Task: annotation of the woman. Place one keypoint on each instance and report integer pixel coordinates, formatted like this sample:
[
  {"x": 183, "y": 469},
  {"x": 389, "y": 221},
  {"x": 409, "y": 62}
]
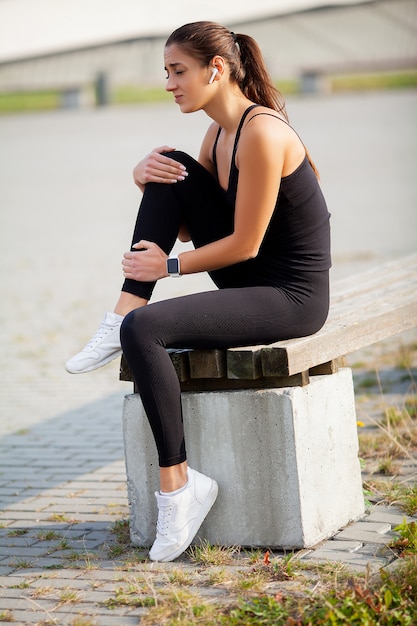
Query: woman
[{"x": 253, "y": 208}]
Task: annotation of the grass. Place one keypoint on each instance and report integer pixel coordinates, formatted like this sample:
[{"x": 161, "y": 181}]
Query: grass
[
  {"x": 20, "y": 102},
  {"x": 388, "y": 598},
  {"x": 207, "y": 554},
  {"x": 44, "y": 100},
  {"x": 402, "y": 495}
]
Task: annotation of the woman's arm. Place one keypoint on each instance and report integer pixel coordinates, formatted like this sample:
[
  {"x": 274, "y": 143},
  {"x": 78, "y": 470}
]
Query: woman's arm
[
  {"x": 262, "y": 151},
  {"x": 266, "y": 148}
]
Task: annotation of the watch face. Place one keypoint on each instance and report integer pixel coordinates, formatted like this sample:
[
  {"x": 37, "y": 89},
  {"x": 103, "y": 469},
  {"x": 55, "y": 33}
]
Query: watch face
[{"x": 173, "y": 266}]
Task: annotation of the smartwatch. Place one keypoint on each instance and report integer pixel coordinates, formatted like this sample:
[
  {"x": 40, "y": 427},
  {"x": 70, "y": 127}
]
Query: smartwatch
[{"x": 173, "y": 266}]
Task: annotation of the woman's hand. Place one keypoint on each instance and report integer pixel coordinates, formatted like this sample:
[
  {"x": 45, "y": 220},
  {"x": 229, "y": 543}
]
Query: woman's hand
[
  {"x": 149, "y": 263},
  {"x": 158, "y": 168}
]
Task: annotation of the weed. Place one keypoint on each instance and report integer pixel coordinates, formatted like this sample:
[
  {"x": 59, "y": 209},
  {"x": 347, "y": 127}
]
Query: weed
[
  {"x": 64, "y": 544},
  {"x": 332, "y": 574},
  {"x": 216, "y": 576},
  {"x": 410, "y": 406},
  {"x": 179, "y": 577},
  {"x": 68, "y": 596},
  {"x": 62, "y": 517},
  {"x": 6, "y": 616},
  {"x": 83, "y": 621},
  {"x": 406, "y": 543},
  {"x": 23, "y": 585},
  {"x": 121, "y": 530},
  {"x": 284, "y": 568},
  {"x": 20, "y": 563},
  {"x": 208, "y": 554},
  {"x": 254, "y": 581},
  {"x": 405, "y": 496},
  {"x": 262, "y": 610},
  {"x": 180, "y": 607},
  {"x": 129, "y": 597},
  {"x": 48, "y": 535},
  {"x": 388, "y": 467},
  {"x": 255, "y": 555},
  {"x": 80, "y": 559},
  {"x": 393, "y": 417},
  {"x": 133, "y": 558},
  {"x": 17, "y": 532},
  {"x": 116, "y": 550},
  {"x": 39, "y": 592}
]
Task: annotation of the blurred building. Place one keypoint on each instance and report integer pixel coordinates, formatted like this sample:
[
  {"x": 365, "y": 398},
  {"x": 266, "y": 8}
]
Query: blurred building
[{"x": 305, "y": 39}]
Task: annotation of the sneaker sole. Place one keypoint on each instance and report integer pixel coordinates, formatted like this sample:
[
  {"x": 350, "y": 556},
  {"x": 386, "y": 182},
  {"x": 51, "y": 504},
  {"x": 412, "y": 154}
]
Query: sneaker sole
[
  {"x": 208, "y": 503},
  {"x": 96, "y": 366}
]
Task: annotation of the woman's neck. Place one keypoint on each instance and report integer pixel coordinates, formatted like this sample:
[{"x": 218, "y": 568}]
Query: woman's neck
[{"x": 227, "y": 110}]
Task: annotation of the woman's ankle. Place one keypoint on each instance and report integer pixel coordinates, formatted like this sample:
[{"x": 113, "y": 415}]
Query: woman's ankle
[
  {"x": 173, "y": 478},
  {"x": 128, "y": 302}
]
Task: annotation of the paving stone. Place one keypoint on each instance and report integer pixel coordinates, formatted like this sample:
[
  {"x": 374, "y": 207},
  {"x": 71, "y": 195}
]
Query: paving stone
[
  {"x": 335, "y": 546},
  {"x": 393, "y": 518},
  {"x": 349, "y": 558},
  {"x": 352, "y": 534}
]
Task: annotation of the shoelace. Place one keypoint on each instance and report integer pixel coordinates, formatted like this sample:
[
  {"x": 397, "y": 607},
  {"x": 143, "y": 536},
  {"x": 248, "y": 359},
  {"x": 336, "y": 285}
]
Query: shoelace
[
  {"x": 100, "y": 333},
  {"x": 164, "y": 518}
]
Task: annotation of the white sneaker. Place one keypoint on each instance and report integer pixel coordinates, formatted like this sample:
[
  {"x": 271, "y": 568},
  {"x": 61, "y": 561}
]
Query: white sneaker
[
  {"x": 180, "y": 516},
  {"x": 101, "y": 349}
]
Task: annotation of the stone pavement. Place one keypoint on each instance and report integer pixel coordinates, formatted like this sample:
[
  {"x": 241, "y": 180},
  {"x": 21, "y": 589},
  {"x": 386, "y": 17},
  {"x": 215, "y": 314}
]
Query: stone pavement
[
  {"x": 63, "y": 494},
  {"x": 67, "y": 204}
]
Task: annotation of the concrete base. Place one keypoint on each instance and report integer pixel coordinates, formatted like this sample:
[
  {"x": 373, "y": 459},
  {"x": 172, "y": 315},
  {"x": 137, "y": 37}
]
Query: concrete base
[{"x": 286, "y": 461}]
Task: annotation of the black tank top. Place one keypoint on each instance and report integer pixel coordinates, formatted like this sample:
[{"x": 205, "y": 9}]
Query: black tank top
[{"x": 298, "y": 235}]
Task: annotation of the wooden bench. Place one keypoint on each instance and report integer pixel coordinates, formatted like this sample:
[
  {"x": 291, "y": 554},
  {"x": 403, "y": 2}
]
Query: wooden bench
[{"x": 275, "y": 425}]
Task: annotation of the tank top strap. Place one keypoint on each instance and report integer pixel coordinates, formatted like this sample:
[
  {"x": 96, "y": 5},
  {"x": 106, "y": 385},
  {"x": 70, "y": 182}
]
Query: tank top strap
[
  {"x": 214, "y": 154},
  {"x": 234, "y": 173},
  {"x": 239, "y": 129}
]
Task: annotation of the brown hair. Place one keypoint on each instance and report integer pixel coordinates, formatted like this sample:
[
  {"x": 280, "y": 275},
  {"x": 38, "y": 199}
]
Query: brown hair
[{"x": 205, "y": 40}]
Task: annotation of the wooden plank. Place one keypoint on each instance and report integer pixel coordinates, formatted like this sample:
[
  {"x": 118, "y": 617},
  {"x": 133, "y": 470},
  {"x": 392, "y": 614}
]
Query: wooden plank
[
  {"x": 375, "y": 278},
  {"x": 124, "y": 371},
  {"x": 228, "y": 384},
  {"x": 244, "y": 362},
  {"x": 207, "y": 363},
  {"x": 339, "y": 337},
  {"x": 178, "y": 357},
  {"x": 325, "y": 369}
]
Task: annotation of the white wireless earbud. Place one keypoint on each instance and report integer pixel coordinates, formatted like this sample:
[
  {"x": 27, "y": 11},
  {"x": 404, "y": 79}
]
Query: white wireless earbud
[{"x": 213, "y": 74}]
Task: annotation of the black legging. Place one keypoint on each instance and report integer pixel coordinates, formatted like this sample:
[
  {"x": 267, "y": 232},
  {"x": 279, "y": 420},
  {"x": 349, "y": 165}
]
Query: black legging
[{"x": 236, "y": 314}]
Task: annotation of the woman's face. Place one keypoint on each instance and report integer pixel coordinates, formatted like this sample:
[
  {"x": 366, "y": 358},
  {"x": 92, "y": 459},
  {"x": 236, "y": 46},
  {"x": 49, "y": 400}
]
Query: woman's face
[{"x": 186, "y": 79}]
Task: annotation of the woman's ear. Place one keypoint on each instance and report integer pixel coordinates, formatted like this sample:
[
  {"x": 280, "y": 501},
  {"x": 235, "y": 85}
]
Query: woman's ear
[{"x": 217, "y": 68}]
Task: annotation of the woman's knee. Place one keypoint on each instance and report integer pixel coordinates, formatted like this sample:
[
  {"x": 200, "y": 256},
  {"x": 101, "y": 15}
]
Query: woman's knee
[
  {"x": 180, "y": 157},
  {"x": 191, "y": 164},
  {"x": 130, "y": 329},
  {"x": 138, "y": 328}
]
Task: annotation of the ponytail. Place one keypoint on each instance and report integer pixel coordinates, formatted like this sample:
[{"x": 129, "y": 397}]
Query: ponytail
[{"x": 255, "y": 81}]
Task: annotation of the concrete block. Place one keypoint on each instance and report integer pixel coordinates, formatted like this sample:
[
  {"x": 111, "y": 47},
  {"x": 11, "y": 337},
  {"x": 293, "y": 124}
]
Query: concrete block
[{"x": 286, "y": 461}]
